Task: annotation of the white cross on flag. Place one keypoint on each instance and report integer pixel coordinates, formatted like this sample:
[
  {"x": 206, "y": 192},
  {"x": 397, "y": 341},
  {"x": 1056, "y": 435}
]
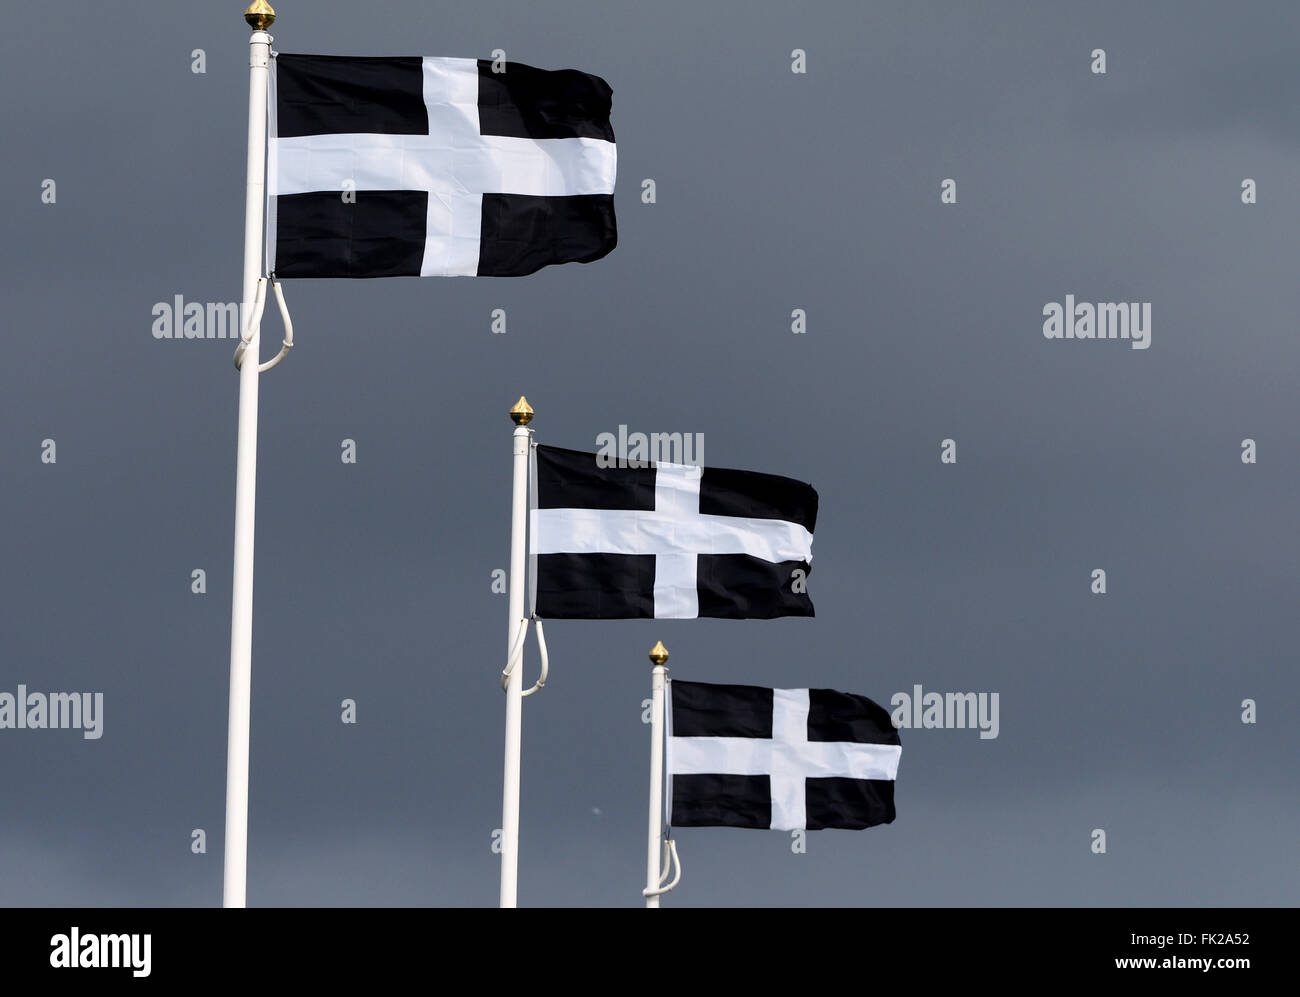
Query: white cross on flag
[
  {"x": 383, "y": 167},
  {"x": 746, "y": 756}
]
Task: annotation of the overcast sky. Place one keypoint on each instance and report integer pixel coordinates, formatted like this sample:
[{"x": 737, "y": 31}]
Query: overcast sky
[{"x": 775, "y": 191}]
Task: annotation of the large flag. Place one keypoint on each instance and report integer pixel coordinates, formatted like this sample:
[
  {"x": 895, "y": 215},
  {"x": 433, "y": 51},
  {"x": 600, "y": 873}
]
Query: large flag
[
  {"x": 386, "y": 167},
  {"x": 668, "y": 541},
  {"x": 745, "y": 756}
]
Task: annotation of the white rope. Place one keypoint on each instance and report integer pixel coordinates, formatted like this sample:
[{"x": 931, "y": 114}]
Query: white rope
[
  {"x": 541, "y": 647},
  {"x": 287, "y": 345},
  {"x": 255, "y": 321},
  {"x": 517, "y": 653},
  {"x": 532, "y": 507},
  {"x": 670, "y": 851}
]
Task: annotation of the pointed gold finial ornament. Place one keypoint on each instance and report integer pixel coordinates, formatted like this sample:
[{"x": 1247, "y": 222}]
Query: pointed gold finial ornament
[
  {"x": 522, "y": 413},
  {"x": 659, "y": 653},
  {"x": 260, "y": 15}
]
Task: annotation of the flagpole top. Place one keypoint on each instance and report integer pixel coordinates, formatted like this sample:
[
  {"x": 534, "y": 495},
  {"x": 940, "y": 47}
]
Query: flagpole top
[
  {"x": 522, "y": 413},
  {"x": 260, "y": 15},
  {"x": 659, "y": 653}
]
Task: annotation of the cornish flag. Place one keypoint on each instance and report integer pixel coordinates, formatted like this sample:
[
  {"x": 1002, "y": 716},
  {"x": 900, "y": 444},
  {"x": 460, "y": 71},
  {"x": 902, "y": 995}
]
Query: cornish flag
[
  {"x": 435, "y": 167},
  {"x": 744, "y": 756},
  {"x": 668, "y": 541}
]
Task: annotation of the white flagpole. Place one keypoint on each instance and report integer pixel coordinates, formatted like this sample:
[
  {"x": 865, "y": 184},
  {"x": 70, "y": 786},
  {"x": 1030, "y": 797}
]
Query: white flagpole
[
  {"x": 259, "y": 17},
  {"x": 658, "y": 655},
  {"x": 522, "y": 414}
]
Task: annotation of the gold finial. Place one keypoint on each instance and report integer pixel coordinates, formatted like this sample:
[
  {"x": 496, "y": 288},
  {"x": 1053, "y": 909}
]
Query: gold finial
[
  {"x": 259, "y": 15},
  {"x": 659, "y": 653},
  {"x": 522, "y": 413}
]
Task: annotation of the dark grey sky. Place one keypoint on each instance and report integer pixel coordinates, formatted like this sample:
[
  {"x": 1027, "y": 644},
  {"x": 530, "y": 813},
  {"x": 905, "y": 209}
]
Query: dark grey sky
[{"x": 775, "y": 191}]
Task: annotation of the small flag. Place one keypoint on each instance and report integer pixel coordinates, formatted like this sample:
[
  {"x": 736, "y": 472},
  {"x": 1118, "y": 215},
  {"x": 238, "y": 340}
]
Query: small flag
[
  {"x": 386, "y": 167},
  {"x": 745, "y": 756},
  {"x": 668, "y": 541}
]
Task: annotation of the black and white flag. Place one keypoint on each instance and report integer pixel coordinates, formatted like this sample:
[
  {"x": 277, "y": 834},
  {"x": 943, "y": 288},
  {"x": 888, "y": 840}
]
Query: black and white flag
[
  {"x": 668, "y": 541},
  {"x": 745, "y": 756},
  {"x": 435, "y": 167}
]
